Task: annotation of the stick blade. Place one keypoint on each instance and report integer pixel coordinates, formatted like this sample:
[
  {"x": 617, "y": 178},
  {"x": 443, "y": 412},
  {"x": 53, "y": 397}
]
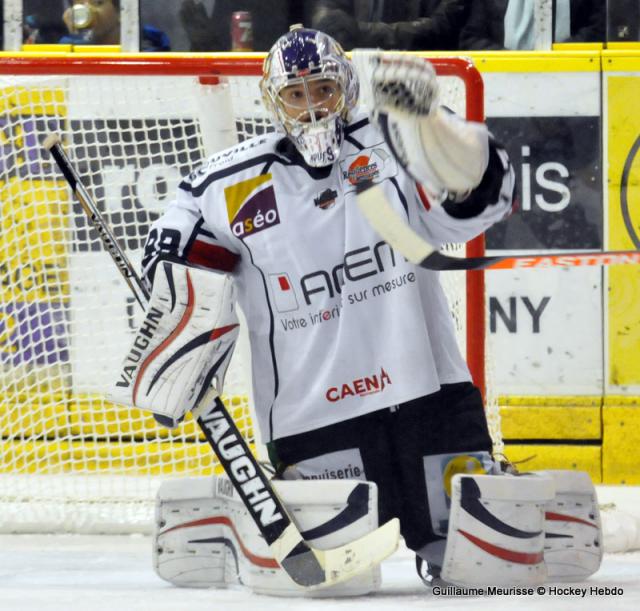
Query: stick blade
[
  {"x": 314, "y": 568},
  {"x": 391, "y": 226},
  {"x": 347, "y": 561}
]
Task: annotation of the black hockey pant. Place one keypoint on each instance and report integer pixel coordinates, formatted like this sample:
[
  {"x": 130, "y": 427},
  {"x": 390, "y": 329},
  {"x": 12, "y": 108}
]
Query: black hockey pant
[{"x": 391, "y": 445}]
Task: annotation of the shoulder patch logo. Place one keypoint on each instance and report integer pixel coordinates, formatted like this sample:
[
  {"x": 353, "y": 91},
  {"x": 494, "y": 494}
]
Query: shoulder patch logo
[
  {"x": 362, "y": 169},
  {"x": 372, "y": 165},
  {"x": 251, "y": 206}
]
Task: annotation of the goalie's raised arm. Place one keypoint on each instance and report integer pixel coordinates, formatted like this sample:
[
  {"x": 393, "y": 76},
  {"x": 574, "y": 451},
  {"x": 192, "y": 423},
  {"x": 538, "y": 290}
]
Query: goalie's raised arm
[
  {"x": 465, "y": 181},
  {"x": 442, "y": 151}
]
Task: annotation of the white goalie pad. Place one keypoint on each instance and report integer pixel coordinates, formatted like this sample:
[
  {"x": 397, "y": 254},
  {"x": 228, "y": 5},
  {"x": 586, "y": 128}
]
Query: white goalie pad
[
  {"x": 183, "y": 345},
  {"x": 620, "y": 529},
  {"x": 573, "y": 529},
  {"x": 204, "y": 536},
  {"x": 496, "y": 530},
  {"x": 442, "y": 151}
]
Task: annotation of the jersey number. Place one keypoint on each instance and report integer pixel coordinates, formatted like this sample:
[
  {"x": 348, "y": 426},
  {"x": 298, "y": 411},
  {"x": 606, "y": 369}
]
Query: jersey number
[{"x": 168, "y": 241}]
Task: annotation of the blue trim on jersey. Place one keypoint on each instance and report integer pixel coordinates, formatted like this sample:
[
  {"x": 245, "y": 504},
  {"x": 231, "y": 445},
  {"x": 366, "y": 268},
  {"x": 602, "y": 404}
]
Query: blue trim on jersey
[
  {"x": 353, "y": 127},
  {"x": 198, "y": 190},
  {"x": 207, "y": 234},
  {"x": 272, "y": 330},
  {"x": 349, "y": 129},
  {"x": 268, "y": 159},
  {"x": 192, "y": 238},
  {"x": 354, "y": 142},
  {"x": 403, "y": 199}
]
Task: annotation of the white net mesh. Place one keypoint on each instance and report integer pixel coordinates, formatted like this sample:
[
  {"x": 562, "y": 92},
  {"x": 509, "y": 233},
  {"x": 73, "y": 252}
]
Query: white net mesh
[{"x": 71, "y": 460}]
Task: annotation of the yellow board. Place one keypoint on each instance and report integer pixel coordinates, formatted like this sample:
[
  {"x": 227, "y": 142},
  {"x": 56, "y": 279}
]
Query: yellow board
[
  {"x": 577, "y": 46},
  {"x": 93, "y": 417},
  {"x": 96, "y": 418},
  {"x": 48, "y": 49},
  {"x": 22, "y": 102},
  {"x": 34, "y": 220},
  {"x": 623, "y": 147},
  {"x": 154, "y": 458},
  {"x": 550, "y": 422},
  {"x": 32, "y": 415},
  {"x": 126, "y": 458},
  {"x": 621, "y": 441},
  {"x": 540, "y": 457},
  {"x": 614, "y": 59},
  {"x": 96, "y": 49},
  {"x": 578, "y": 60}
]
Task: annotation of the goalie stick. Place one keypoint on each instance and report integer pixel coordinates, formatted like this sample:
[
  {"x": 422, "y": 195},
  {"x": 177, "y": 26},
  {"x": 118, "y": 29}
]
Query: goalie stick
[
  {"x": 307, "y": 566},
  {"x": 403, "y": 238}
]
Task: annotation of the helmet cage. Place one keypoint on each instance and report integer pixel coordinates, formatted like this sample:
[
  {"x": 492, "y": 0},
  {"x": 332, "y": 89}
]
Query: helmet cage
[
  {"x": 300, "y": 58},
  {"x": 294, "y": 116}
]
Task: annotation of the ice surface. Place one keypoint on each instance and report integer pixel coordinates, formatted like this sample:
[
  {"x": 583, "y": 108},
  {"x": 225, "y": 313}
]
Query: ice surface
[{"x": 99, "y": 572}]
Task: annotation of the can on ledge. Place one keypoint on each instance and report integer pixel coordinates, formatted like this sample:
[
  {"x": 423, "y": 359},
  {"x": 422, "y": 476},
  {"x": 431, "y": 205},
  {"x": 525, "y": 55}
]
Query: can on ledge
[
  {"x": 82, "y": 16},
  {"x": 241, "y": 31}
]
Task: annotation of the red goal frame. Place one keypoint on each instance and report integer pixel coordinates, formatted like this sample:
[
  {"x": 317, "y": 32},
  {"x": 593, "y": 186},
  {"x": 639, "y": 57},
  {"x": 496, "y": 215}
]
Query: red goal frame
[{"x": 208, "y": 67}]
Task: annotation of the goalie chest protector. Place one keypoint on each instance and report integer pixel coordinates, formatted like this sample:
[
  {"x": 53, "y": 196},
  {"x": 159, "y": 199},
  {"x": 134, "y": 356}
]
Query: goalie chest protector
[{"x": 340, "y": 325}]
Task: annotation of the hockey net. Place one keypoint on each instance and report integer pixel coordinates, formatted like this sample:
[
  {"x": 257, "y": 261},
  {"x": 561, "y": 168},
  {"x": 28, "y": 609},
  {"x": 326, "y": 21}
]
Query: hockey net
[{"x": 133, "y": 126}]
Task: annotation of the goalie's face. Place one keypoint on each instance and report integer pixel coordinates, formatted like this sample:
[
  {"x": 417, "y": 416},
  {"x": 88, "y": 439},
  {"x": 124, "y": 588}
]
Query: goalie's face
[{"x": 312, "y": 99}]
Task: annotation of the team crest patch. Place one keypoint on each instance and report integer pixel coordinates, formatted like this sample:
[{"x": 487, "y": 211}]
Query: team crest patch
[
  {"x": 326, "y": 199},
  {"x": 370, "y": 165},
  {"x": 251, "y": 206}
]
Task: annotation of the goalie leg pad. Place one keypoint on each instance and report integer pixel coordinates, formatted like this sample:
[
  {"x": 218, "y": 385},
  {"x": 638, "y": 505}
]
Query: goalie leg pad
[
  {"x": 439, "y": 471},
  {"x": 573, "y": 529},
  {"x": 183, "y": 345},
  {"x": 496, "y": 530},
  {"x": 620, "y": 529},
  {"x": 190, "y": 546},
  {"x": 204, "y": 536}
]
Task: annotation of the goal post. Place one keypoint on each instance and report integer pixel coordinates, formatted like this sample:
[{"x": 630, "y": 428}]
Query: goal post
[{"x": 133, "y": 125}]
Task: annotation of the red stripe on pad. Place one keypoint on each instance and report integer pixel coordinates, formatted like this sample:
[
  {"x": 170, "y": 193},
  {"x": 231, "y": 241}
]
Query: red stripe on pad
[
  {"x": 220, "y": 331},
  {"x": 181, "y": 325},
  {"x": 504, "y": 554},
  {"x": 558, "y": 517},
  {"x": 269, "y": 563}
]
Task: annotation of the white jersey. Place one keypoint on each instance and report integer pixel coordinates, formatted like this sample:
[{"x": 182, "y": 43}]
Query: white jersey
[{"x": 339, "y": 324}]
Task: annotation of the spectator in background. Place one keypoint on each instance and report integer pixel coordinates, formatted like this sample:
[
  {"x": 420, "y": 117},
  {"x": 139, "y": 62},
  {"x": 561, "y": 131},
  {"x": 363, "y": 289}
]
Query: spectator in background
[
  {"x": 411, "y": 25},
  {"x": 509, "y": 24},
  {"x": 42, "y": 21},
  {"x": 270, "y": 18},
  {"x": 102, "y": 26}
]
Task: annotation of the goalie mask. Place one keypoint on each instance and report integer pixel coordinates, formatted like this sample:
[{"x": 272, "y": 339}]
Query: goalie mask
[{"x": 309, "y": 87}]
